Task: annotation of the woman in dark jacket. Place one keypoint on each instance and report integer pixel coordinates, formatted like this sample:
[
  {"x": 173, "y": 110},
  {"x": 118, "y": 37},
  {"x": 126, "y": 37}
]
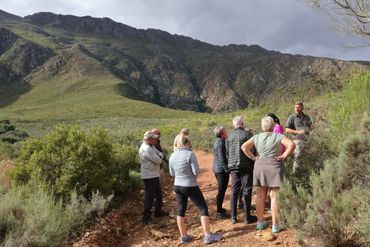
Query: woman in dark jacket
[{"x": 220, "y": 168}]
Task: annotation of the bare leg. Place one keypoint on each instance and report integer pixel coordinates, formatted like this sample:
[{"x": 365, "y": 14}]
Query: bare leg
[
  {"x": 181, "y": 225},
  {"x": 274, "y": 206},
  {"x": 205, "y": 224},
  {"x": 260, "y": 203}
]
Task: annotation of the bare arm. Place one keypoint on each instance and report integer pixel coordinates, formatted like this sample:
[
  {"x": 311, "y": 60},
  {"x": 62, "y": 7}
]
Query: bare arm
[
  {"x": 246, "y": 148},
  {"x": 292, "y": 131},
  {"x": 290, "y": 146}
]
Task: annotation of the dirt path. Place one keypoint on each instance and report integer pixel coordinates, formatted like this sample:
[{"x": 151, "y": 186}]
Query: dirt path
[{"x": 122, "y": 227}]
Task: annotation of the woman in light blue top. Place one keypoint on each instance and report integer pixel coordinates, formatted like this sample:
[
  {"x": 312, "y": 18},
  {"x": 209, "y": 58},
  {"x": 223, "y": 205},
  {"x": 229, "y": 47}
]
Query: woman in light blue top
[
  {"x": 268, "y": 169},
  {"x": 183, "y": 165}
]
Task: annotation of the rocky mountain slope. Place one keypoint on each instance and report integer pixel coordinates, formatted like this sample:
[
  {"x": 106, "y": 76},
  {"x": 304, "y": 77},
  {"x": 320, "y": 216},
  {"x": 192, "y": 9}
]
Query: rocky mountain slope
[{"x": 152, "y": 65}]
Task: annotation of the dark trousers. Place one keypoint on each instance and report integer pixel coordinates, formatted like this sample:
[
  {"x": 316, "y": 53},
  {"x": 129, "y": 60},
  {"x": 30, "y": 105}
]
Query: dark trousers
[
  {"x": 152, "y": 191},
  {"x": 195, "y": 195},
  {"x": 241, "y": 180},
  {"x": 222, "y": 182}
]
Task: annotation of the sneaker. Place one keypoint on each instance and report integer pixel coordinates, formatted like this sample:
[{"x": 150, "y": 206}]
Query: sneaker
[
  {"x": 261, "y": 225},
  {"x": 276, "y": 228},
  {"x": 186, "y": 239},
  {"x": 250, "y": 219},
  {"x": 160, "y": 213},
  {"x": 212, "y": 237}
]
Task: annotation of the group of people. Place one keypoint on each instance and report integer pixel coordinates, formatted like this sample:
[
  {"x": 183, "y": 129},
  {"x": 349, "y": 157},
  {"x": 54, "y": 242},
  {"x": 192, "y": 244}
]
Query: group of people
[{"x": 250, "y": 160}]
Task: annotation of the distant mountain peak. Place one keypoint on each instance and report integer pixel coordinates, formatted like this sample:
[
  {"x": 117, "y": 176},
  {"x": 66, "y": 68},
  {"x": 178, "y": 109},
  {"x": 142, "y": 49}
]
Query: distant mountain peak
[{"x": 10, "y": 17}]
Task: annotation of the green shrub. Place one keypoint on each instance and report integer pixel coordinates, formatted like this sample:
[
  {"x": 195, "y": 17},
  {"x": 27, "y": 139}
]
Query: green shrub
[
  {"x": 13, "y": 136},
  {"x": 127, "y": 157},
  {"x": 9, "y": 134},
  {"x": 5, "y": 126},
  {"x": 10, "y": 150},
  {"x": 135, "y": 179},
  {"x": 335, "y": 208},
  {"x": 316, "y": 150},
  {"x": 70, "y": 159},
  {"x": 30, "y": 216}
]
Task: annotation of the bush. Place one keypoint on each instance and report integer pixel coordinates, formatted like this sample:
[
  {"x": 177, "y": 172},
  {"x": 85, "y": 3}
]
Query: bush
[
  {"x": 317, "y": 149},
  {"x": 70, "y": 159},
  {"x": 128, "y": 159},
  {"x": 5, "y": 126},
  {"x": 335, "y": 208},
  {"x": 9, "y": 150},
  {"x": 13, "y": 136},
  {"x": 135, "y": 180},
  {"x": 30, "y": 216},
  {"x": 9, "y": 134}
]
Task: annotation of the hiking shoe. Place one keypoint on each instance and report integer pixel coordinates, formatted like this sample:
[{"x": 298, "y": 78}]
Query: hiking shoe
[
  {"x": 160, "y": 213},
  {"x": 212, "y": 237},
  {"x": 220, "y": 216},
  {"x": 186, "y": 239},
  {"x": 250, "y": 219},
  {"x": 261, "y": 225},
  {"x": 233, "y": 220},
  {"x": 148, "y": 221},
  {"x": 276, "y": 228}
]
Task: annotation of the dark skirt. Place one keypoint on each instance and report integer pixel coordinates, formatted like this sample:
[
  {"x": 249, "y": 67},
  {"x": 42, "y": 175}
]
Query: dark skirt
[{"x": 268, "y": 172}]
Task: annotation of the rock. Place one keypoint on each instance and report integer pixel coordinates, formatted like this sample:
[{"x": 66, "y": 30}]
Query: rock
[
  {"x": 158, "y": 235},
  {"x": 265, "y": 236}
]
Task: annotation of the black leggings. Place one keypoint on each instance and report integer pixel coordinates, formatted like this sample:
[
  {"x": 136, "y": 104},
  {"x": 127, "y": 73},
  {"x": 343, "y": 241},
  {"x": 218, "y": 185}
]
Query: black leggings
[{"x": 195, "y": 195}]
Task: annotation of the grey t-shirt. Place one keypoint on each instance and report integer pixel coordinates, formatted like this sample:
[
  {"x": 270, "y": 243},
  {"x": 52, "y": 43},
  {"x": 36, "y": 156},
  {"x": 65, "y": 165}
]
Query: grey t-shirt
[
  {"x": 299, "y": 122},
  {"x": 268, "y": 144}
]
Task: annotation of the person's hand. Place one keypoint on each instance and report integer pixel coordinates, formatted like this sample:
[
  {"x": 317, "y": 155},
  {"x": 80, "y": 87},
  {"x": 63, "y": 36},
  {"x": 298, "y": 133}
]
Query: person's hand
[{"x": 281, "y": 157}]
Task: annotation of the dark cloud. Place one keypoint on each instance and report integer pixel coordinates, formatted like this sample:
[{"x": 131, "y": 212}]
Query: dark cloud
[{"x": 289, "y": 26}]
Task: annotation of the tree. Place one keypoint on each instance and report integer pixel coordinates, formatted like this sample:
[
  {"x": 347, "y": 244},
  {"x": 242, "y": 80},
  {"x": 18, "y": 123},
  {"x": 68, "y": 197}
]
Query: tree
[{"x": 353, "y": 16}]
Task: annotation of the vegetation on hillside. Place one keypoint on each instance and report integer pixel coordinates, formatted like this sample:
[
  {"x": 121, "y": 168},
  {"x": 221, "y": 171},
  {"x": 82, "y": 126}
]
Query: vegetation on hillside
[{"x": 329, "y": 200}]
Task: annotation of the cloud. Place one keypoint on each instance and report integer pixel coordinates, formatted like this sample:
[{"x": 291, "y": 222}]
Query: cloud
[{"x": 289, "y": 26}]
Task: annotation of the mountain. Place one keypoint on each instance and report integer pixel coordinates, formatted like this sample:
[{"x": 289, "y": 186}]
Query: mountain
[{"x": 151, "y": 65}]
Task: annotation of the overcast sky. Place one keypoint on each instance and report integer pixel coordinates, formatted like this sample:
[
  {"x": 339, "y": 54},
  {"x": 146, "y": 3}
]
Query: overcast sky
[{"x": 288, "y": 26}]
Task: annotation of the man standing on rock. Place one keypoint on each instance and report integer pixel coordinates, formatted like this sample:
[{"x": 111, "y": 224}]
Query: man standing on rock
[
  {"x": 151, "y": 159},
  {"x": 299, "y": 126},
  {"x": 241, "y": 171}
]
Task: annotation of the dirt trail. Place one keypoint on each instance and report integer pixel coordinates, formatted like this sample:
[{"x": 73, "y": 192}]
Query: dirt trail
[{"x": 122, "y": 226}]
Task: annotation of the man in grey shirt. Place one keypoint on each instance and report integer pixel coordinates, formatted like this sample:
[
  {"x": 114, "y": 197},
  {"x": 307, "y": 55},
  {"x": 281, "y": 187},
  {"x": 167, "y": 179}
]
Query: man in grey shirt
[{"x": 299, "y": 126}]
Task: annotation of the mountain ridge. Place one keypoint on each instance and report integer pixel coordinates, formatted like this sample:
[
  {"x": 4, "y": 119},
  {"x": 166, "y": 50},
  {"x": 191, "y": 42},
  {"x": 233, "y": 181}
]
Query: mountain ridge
[{"x": 180, "y": 72}]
